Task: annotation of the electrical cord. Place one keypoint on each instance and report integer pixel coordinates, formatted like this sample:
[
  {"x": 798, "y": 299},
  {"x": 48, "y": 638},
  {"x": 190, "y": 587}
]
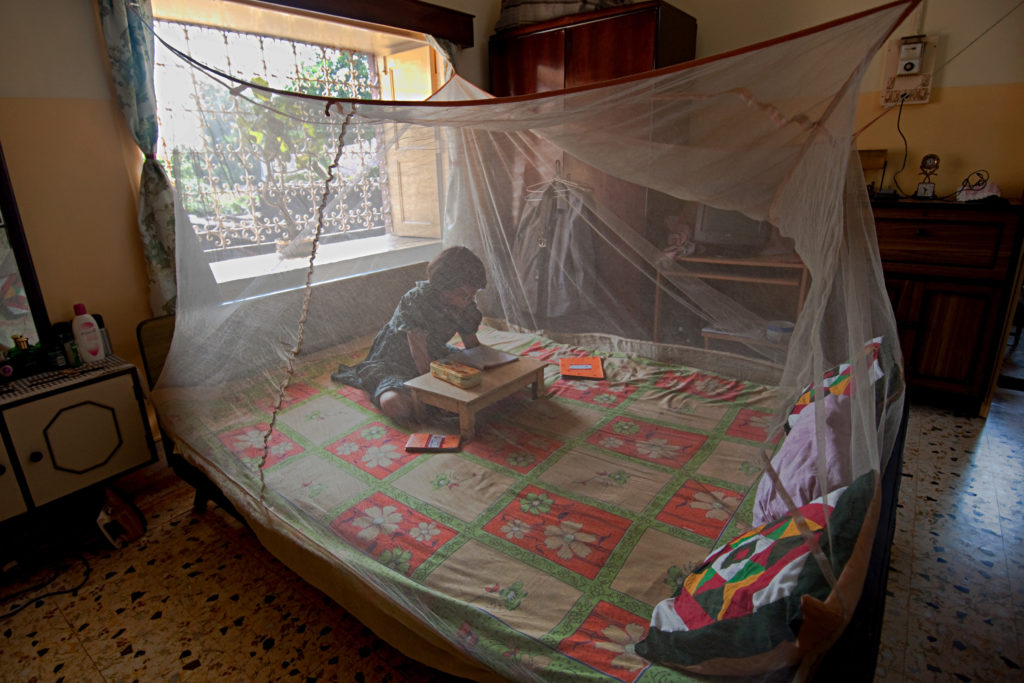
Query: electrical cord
[
  {"x": 31, "y": 589},
  {"x": 968, "y": 184},
  {"x": 906, "y": 147},
  {"x": 38, "y": 598}
]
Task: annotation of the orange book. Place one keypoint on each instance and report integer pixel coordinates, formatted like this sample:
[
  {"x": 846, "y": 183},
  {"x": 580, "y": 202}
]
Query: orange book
[
  {"x": 585, "y": 367},
  {"x": 433, "y": 443}
]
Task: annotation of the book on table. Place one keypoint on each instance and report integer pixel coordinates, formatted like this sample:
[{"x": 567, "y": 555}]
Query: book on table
[
  {"x": 482, "y": 357},
  {"x": 459, "y": 374},
  {"x": 583, "y": 367}
]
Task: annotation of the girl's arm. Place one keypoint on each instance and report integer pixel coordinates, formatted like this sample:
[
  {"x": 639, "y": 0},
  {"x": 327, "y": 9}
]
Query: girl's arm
[
  {"x": 418, "y": 349},
  {"x": 470, "y": 340}
]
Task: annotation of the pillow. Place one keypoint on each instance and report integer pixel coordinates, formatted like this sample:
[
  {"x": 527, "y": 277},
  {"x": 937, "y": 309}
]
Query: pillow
[
  {"x": 760, "y": 602},
  {"x": 838, "y": 381},
  {"x": 796, "y": 461}
]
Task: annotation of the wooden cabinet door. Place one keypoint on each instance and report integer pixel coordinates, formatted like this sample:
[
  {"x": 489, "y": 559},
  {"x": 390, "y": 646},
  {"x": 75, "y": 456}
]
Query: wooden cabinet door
[
  {"x": 528, "y": 64},
  {"x": 602, "y": 50},
  {"x": 12, "y": 503},
  {"x": 951, "y": 326},
  {"x": 900, "y": 293},
  {"x": 899, "y": 290},
  {"x": 79, "y": 437},
  {"x": 590, "y": 47}
]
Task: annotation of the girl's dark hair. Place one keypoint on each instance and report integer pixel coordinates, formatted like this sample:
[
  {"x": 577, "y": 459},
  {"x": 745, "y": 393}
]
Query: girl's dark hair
[{"x": 455, "y": 267}]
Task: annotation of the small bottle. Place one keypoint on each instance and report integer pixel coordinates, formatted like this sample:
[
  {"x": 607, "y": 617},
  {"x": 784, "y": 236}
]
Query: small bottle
[
  {"x": 66, "y": 341},
  {"x": 87, "y": 336},
  {"x": 55, "y": 358}
]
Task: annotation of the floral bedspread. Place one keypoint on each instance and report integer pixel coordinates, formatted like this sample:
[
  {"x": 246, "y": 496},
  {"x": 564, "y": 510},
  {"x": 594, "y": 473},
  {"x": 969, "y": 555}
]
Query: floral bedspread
[{"x": 543, "y": 545}]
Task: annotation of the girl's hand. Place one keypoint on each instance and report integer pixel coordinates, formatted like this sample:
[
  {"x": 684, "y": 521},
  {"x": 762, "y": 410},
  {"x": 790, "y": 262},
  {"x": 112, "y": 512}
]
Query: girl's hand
[{"x": 470, "y": 340}]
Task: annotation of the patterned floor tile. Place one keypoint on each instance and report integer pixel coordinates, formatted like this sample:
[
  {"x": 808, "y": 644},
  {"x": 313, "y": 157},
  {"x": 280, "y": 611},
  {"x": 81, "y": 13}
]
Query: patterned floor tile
[
  {"x": 955, "y": 596},
  {"x": 39, "y": 644},
  {"x": 954, "y": 652}
]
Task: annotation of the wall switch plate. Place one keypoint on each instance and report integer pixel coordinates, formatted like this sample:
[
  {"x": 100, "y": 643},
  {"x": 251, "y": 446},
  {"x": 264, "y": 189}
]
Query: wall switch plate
[{"x": 907, "y": 76}]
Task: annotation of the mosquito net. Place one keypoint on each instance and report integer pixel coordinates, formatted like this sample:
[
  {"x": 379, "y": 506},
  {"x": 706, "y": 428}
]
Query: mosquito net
[{"x": 711, "y": 216}]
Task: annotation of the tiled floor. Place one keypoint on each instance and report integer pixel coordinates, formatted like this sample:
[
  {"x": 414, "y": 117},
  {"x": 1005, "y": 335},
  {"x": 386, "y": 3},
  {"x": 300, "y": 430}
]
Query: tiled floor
[
  {"x": 955, "y": 604},
  {"x": 197, "y": 598}
]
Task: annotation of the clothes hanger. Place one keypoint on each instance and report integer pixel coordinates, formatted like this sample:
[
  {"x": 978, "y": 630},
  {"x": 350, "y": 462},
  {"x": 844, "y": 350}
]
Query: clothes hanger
[{"x": 563, "y": 185}]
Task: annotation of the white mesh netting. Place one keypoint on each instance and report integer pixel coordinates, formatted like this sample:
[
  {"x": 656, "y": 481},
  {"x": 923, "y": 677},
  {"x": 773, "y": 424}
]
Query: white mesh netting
[{"x": 709, "y": 221}]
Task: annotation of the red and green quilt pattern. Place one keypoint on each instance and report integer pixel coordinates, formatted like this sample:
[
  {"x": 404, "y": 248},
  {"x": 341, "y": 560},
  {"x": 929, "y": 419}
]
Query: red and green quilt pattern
[{"x": 543, "y": 545}]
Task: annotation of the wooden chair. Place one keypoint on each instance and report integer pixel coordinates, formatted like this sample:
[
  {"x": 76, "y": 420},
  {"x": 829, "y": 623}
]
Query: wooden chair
[{"x": 154, "y": 337}]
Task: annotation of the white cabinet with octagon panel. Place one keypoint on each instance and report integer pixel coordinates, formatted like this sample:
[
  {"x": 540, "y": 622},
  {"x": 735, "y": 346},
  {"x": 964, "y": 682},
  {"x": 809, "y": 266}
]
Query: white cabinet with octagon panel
[{"x": 64, "y": 432}]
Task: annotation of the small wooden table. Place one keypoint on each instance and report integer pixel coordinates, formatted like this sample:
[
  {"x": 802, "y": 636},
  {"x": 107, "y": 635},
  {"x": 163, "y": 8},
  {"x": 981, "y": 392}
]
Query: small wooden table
[{"x": 497, "y": 383}]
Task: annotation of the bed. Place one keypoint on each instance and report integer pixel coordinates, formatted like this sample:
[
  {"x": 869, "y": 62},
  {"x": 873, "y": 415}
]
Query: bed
[
  {"x": 700, "y": 511},
  {"x": 542, "y": 545}
]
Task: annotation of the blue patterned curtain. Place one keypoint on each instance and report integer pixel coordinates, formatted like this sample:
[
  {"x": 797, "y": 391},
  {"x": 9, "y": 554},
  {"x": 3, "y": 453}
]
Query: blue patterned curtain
[{"x": 130, "y": 48}]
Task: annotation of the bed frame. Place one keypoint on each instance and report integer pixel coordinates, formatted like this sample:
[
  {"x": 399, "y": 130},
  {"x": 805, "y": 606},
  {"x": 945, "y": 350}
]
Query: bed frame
[{"x": 855, "y": 654}]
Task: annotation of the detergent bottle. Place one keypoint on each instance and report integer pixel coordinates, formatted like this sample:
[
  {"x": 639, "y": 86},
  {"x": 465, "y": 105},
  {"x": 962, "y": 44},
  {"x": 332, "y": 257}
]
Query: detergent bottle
[{"x": 87, "y": 334}]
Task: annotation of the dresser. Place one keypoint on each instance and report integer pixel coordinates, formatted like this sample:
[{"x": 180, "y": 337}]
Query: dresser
[
  {"x": 953, "y": 274},
  {"x": 590, "y": 47},
  {"x": 68, "y": 430}
]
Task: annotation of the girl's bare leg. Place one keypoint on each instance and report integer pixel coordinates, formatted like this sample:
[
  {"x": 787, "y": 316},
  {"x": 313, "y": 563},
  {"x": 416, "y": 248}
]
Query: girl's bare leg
[{"x": 400, "y": 407}]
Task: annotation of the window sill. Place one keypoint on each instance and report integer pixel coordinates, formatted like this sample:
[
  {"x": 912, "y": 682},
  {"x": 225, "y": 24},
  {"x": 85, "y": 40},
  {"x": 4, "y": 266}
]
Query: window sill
[{"x": 259, "y": 276}]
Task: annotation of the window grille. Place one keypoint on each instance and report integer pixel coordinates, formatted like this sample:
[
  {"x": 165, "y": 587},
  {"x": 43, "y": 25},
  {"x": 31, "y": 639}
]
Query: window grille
[{"x": 253, "y": 191}]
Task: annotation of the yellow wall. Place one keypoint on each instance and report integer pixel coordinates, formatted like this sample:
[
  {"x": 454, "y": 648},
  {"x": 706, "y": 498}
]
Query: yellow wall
[
  {"x": 969, "y": 127},
  {"x": 973, "y": 119},
  {"x": 74, "y": 168},
  {"x": 73, "y": 171}
]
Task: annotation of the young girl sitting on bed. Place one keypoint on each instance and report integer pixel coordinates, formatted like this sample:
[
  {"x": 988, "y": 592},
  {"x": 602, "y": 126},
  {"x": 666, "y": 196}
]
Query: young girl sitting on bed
[{"x": 427, "y": 316}]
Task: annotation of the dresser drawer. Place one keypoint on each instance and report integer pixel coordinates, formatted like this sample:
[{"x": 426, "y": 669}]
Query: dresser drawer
[{"x": 950, "y": 244}]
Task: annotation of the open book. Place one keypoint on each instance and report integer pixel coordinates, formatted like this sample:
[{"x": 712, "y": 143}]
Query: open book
[{"x": 482, "y": 357}]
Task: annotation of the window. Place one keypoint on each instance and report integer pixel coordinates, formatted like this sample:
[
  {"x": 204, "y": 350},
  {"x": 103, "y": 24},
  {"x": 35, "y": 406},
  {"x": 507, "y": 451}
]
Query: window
[{"x": 253, "y": 192}]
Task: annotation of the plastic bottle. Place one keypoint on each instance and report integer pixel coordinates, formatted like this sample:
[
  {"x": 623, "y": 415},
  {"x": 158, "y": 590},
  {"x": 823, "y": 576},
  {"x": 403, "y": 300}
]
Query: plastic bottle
[{"x": 87, "y": 336}]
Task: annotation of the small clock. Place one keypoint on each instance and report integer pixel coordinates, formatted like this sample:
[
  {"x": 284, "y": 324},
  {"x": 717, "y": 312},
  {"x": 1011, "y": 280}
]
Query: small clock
[{"x": 929, "y": 167}]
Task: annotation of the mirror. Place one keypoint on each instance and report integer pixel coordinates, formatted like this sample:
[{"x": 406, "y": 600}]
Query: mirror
[{"x": 22, "y": 312}]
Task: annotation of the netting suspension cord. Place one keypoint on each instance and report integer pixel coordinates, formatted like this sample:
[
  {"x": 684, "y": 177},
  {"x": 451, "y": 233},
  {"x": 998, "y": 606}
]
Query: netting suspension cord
[{"x": 306, "y": 296}]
